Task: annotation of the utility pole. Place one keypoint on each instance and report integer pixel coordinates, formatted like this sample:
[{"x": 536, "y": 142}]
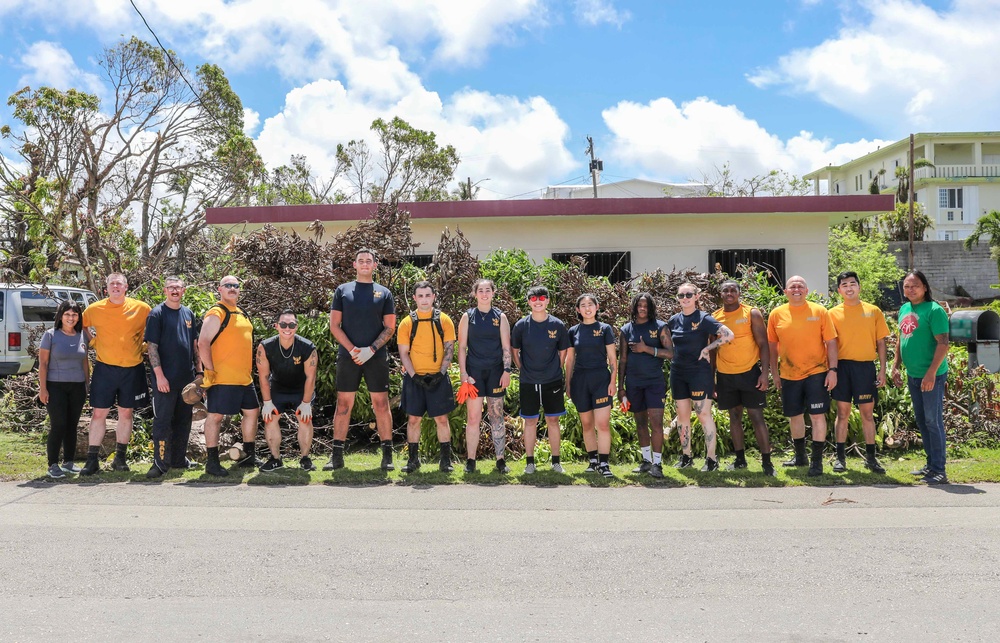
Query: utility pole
[
  {"x": 596, "y": 165},
  {"x": 910, "y": 195}
]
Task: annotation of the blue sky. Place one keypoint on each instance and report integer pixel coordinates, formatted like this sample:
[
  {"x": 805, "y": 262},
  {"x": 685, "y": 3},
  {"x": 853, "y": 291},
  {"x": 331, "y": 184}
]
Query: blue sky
[{"x": 668, "y": 89}]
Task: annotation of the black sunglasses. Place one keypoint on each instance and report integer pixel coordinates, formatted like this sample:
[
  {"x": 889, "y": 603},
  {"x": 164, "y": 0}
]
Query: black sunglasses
[
  {"x": 287, "y": 325},
  {"x": 231, "y": 286},
  {"x": 685, "y": 295}
]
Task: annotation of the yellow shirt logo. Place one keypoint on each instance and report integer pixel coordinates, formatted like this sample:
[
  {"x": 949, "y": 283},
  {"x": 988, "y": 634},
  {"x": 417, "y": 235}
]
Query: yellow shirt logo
[
  {"x": 377, "y": 295},
  {"x": 598, "y": 333},
  {"x": 297, "y": 360},
  {"x": 694, "y": 325},
  {"x": 187, "y": 322},
  {"x": 552, "y": 334},
  {"x": 496, "y": 322}
]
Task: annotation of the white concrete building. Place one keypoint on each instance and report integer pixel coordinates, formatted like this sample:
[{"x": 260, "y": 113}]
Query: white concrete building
[
  {"x": 962, "y": 184},
  {"x": 628, "y": 189}
]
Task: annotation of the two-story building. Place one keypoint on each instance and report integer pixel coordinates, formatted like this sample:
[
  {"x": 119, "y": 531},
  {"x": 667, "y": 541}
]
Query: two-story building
[{"x": 961, "y": 183}]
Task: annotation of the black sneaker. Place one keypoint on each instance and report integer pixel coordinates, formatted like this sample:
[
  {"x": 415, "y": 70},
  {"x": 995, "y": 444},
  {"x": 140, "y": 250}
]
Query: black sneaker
[
  {"x": 503, "y": 469},
  {"x": 272, "y": 464},
  {"x": 656, "y": 470},
  {"x": 770, "y": 472},
  {"x": 796, "y": 462},
  {"x": 336, "y": 460},
  {"x": 411, "y": 466},
  {"x": 119, "y": 464},
  {"x": 921, "y": 472},
  {"x": 737, "y": 464},
  {"x": 815, "y": 469},
  {"x": 213, "y": 468},
  {"x": 306, "y": 463},
  {"x": 591, "y": 467},
  {"x": 874, "y": 466},
  {"x": 685, "y": 462},
  {"x": 154, "y": 472},
  {"x": 445, "y": 465},
  {"x": 90, "y": 467},
  {"x": 710, "y": 465},
  {"x": 935, "y": 478},
  {"x": 605, "y": 470},
  {"x": 643, "y": 468},
  {"x": 249, "y": 461},
  {"x": 839, "y": 466},
  {"x": 470, "y": 466},
  {"x": 386, "y": 465}
]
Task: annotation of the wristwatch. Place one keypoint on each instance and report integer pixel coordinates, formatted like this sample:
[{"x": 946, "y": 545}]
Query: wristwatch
[{"x": 833, "y": 368}]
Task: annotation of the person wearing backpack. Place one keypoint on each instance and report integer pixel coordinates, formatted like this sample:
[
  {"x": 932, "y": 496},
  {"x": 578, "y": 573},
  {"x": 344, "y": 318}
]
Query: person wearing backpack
[
  {"x": 226, "y": 348},
  {"x": 426, "y": 339}
]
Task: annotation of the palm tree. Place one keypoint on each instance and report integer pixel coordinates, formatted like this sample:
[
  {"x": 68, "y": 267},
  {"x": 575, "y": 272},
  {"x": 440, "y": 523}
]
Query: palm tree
[
  {"x": 903, "y": 176},
  {"x": 987, "y": 225}
]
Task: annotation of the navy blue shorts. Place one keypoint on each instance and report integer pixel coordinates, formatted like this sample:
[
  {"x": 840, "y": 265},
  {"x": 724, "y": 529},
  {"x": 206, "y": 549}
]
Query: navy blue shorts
[
  {"x": 536, "y": 397},
  {"x": 643, "y": 397},
  {"x": 855, "y": 382},
  {"x": 125, "y": 385},
  {"x": 589, "y": 389},
  {"x": 739, "y": 389},
  {"x": 231, "y": 399},
  {"x": 375, "y": 371},
  {"x": 288, "y": 402},
  {"x": 488, "y": 381},
  {"x": 692, "y": 385},
  {"x": 416, "y": 400},
  {"x": 805, "y": 396}
]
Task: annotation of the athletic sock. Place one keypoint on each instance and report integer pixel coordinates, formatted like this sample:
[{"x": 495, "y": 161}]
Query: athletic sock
[
  {"x": 602, "y": 458},
  {"x": 765, "y": 459},
  {"x": 646, "y": 452},
  {"x": 592, "y": 456},
  {"x": 386, "y": 449},
  {"x": 870, "y": 451},
  {"x": 413, "y": 449},
  {"x": 339, "y": 444},
  {"x": 800, "y": 447},
  {"x": 501, "y": 463},
  {"x": 213, "y": 454},
  {"x": 470, "y": 462},
  {"x": 657, "y": 458},
  {"x": 530, "y": 459},
  {"x": 248, "y": 449},
  {"x": 741, "y": 455},
  {"x": 841, "y": 451},
  {"x": 555, "y": 459},
  {"x": 120, "y": 450},
  {"x": 817, "y": 450},
  {"x": 93, "y": 452}
]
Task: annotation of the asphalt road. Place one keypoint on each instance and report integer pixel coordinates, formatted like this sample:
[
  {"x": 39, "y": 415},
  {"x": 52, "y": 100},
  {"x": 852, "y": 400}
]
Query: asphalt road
[{"x": 110, "y": 562}]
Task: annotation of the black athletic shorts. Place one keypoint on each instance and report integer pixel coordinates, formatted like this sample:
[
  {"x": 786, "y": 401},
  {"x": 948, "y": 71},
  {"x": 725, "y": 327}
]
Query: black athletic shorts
[
  {"x": 589, "y": 389},
  {"x": 805, "y": 396},
  {"x": 642, "y": 397},
  {"x": 416, "y": 400},
  {"x": 488, "y": 381},
  {"x": 124, "y": 385},
  {"x": 231, "y": 399},
  {"x": 288, "y": 402},
  {"x": 855, "y": 382},
  {"x": 536, "y": 397},
  {"x": 375, "y": 372},
  {"x": 692, "y": 385},
  {"x": 739, "y": 389}
]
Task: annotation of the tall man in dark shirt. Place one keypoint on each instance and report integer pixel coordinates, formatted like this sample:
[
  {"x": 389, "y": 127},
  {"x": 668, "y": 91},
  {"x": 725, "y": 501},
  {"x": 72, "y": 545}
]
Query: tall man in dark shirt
[
  {"x": 171, "y": 342},
  {"x": 362, "y": 320},
  {"x": 539, "y": 342}
]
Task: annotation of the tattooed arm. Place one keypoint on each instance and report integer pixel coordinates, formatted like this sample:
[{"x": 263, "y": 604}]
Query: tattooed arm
[
  {"x": 449, "y": 354},
  {"x": 263, "y": 373},
  {"x": 388, "y": 328},
  {"x": 507, "y": 357},
  {"x": 310, "y": 369},
  {"x": 162, "y": 385}
]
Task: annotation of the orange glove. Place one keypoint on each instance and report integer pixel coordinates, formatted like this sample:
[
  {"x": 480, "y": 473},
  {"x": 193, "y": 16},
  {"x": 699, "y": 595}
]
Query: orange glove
[
  {"x": 626, "y": 405},
  {"x": 466, "y": 392}
]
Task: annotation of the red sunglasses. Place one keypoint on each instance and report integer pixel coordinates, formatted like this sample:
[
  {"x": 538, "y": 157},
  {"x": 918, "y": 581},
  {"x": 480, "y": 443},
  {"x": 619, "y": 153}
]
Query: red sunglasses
[{"x": 538, "y": 298}]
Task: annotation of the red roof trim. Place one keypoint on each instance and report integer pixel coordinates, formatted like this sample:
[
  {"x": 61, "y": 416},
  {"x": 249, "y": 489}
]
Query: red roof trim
[{"x": 863, "y": 203}]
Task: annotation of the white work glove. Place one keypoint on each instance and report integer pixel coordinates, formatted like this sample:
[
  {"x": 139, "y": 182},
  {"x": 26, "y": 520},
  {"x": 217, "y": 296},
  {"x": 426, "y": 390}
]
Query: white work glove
[
  {"x": 305, "y": 412},
  {"x": 362, "y": 355},
  {"x": 268, "y": 410}
]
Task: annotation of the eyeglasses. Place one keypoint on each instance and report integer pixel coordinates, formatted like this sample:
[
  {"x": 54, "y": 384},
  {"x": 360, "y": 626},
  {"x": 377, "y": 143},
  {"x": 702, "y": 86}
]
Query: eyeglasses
[
  {"x": 174, "y": 288},
  {"x": 685, "y": 295},
  {"x": 538, "y": 298},
  {"x": 231, "y": 286},
  {"x": 287, "y": 325}
]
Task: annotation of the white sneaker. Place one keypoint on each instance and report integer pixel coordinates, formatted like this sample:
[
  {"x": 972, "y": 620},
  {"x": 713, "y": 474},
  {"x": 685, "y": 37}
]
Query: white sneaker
[
  {"x": 557, "y": 467},
  {"x": 529, "y": 468}
]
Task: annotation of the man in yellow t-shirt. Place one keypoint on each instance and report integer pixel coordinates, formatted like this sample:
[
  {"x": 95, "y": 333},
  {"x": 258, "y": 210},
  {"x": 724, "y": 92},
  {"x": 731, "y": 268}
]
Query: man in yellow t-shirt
[
  {"x": 861, "y": 333},
  {"x": 117, "y": 325},
  {"x": 803, "y": 340},
  {"x": 426, "y": 385},
  {"x": 226, "y": 348},
  {"x": 741, "y": 379}
]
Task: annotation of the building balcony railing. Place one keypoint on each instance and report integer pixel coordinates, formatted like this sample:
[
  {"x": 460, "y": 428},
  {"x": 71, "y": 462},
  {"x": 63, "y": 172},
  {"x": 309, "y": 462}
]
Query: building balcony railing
[{"x": 957, "y": 171}]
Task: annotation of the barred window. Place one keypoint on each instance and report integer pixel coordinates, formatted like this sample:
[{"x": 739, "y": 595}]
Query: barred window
[{"x": 616, "y": 266}]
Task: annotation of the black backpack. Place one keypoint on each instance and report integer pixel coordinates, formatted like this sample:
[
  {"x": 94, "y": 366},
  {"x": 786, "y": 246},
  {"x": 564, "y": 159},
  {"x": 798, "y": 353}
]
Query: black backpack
[
  {"x": 436, "y": 318},
  {"x": 225, "y": 320}
]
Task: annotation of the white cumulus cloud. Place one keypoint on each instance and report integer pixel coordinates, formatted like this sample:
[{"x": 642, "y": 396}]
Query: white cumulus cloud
[
  {"x": 49, "y": 64},
  {"x": 596, "y": 12}
]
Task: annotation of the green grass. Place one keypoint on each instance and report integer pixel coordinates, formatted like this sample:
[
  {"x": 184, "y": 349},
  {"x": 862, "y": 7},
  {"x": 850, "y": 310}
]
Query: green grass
[{"x": 22, "y": 457}]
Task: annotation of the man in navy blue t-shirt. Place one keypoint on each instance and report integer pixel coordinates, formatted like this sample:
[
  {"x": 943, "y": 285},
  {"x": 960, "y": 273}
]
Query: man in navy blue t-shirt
[
  {"x": 539, "y": 342},
  {"x": 362, "y": 320},
  {"x": 171, "y": 338}
]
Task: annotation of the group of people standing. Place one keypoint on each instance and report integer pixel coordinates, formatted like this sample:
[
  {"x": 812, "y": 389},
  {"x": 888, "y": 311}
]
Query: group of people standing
[{"x": 726, "y": 357}]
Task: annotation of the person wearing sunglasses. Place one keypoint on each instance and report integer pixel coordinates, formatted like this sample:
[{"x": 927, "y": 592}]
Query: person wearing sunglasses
[
  {"x": 539, "y": 342},
  {"x": 171, "y": 342},
  {"x": 117, "y": 324},
  {"x": 803, "y": 340},
  {"x": 643, "y": 346},
  {"x": 692, "y": 380},
  {"x": 226, "y": 348},
  {"x": 362, "y": 320},
  {"x": 286, "y": 370}
]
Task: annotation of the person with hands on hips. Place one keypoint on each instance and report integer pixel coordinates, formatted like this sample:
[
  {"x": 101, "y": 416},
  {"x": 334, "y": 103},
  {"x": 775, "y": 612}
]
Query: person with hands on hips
[
  {"x": 923, "y": 350},
  {"x": 63, "y": 371},
  {"x": 286, "y": 370},
  {"x": 426, "y": 340},
  {"x": 591, "y": 379},
  {"x": 362, "y": 320}
]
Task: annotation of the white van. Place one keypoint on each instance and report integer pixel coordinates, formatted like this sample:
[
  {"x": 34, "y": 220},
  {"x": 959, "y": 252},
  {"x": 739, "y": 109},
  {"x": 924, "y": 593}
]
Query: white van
[{"x": 23, "y": 307}]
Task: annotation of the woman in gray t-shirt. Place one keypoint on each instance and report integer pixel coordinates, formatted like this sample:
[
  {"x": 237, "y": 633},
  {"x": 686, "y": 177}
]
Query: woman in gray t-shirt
[{"x": 63, "y": 372}]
